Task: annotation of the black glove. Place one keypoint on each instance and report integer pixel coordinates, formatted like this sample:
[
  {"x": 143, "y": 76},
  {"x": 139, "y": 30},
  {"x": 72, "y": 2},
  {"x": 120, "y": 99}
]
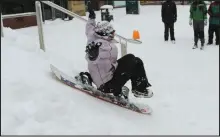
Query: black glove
[
  {"x": 92, "y": 50},
  {"x": 92, "y": 14}
]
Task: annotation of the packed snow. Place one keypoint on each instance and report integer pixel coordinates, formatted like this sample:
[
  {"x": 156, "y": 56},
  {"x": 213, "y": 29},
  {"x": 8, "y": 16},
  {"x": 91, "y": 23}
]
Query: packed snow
[
  {"x": 106, "y": 7},
  {"x": 185, "y": 81}
]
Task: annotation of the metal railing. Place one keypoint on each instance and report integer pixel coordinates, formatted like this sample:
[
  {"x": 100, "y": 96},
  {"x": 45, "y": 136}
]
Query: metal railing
[
  {"x": 39, "y": 22},
  {"x": 123, "y": 41},
  {"x": 14, "y": 16},
  {"x": 2, "y": 33},
  {"x": 18, "y": 15}
]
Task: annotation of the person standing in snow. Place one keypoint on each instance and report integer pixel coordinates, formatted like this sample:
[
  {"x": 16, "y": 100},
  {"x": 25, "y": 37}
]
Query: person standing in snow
[
  {"x": 198, "y": 17},
  {"x": 108, "y": 72},
  {"x": 214, "y": 22},
  {"x": 169, "y": 17}
]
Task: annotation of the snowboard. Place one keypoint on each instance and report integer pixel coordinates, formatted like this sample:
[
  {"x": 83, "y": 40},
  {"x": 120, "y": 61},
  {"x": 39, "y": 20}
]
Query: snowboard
[{"x": 92, "y": 91}]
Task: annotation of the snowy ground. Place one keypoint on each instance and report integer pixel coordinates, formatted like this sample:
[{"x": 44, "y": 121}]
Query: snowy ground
[{"x": 185, "y": 81}]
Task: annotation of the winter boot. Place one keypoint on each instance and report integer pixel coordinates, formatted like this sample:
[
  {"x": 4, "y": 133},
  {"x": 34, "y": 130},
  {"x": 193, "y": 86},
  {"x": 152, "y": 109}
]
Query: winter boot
[
  {"x": 209, "y": 43},
  {"x": 146, "y": 93}
]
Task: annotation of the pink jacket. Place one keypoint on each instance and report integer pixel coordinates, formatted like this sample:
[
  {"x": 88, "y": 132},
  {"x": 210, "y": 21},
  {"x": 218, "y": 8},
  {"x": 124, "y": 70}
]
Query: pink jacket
[{"x": 102, "y": 69}]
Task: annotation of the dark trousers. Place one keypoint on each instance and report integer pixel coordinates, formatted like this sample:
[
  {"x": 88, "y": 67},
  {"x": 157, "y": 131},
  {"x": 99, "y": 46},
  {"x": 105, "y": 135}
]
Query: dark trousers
[
  {"x": 213, "y": 29},
  {"x": 198, "y": 27},
  {"x": 169, "y": 27},
  {"x": 129, "y": 68}
]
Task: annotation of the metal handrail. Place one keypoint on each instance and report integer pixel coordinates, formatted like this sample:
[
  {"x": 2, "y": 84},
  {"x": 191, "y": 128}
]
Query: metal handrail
[
  {"x": 18, "y": 15},
  {"x": 38, "y": 14},
  {"x": 121, "y": 38},
  {"x": 2, "y": 33},
  {"x": 40, "y": 24},
  {"x": 79, "y": 17}
]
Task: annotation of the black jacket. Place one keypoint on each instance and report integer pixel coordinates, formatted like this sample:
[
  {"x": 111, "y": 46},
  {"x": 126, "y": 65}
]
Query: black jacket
[{"x": 169, "y": 12}]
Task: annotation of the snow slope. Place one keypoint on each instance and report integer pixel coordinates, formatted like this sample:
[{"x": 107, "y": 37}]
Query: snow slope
[{"x": 185, "y": 81}]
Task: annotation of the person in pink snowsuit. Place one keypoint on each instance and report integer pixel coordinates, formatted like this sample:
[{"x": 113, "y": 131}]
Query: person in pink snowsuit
[{"x": 108, "y": 72}]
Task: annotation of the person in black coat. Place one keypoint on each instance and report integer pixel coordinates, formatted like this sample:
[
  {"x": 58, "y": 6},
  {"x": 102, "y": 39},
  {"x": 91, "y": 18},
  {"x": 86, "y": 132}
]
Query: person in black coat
[{"x": 169, "y": 17}]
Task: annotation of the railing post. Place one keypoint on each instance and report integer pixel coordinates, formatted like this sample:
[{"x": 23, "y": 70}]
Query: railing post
[
  {"x": 43, "y": 13},
  {"x": 40, "y": 24},
  {"x": 53, "y": 12},
  {"x": 2, "y": 33},
  {"x": 123, "y": 48}
]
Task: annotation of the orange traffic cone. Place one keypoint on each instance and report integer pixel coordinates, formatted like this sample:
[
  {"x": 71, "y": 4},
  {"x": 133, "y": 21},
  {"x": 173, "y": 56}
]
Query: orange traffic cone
[{"x": 136, "y": 34}]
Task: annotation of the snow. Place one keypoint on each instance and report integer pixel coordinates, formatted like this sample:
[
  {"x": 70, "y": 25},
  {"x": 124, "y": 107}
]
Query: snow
[
  {"x": 106, "y": 7},
  {"x": 185, "y": 81}
]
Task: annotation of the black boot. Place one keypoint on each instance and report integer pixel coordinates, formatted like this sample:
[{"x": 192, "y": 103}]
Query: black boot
[
  {"x": 210, "y": 43},
  {"x": 140, "y": 88}
]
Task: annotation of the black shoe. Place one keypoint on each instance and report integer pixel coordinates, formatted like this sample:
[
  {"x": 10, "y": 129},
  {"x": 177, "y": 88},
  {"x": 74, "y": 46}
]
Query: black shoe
[
  {"x": 146, "y": 93},
  {"x": 209, "y": 43}
]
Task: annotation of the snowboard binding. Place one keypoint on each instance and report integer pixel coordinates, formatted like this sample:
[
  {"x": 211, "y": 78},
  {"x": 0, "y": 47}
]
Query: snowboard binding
[
  {"x": 125, "y": 92},
  {"x": 85, "y": 78}
]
